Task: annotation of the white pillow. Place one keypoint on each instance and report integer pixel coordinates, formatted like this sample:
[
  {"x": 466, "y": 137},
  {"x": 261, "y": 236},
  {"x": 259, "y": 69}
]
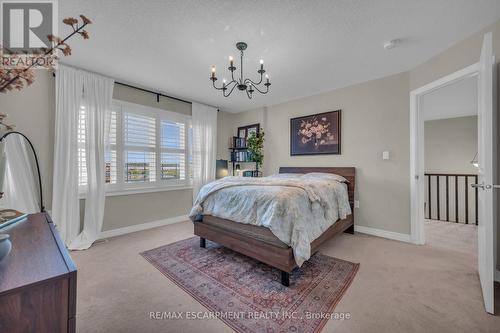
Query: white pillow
[
  {"x": 322, "y": 175},
  {"x": 287, "y": 175}
]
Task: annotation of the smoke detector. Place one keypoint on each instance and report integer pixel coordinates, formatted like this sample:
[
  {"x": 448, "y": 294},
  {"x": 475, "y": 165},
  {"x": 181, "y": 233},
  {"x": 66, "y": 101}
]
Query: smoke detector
[{"x": 392, "y": 44}]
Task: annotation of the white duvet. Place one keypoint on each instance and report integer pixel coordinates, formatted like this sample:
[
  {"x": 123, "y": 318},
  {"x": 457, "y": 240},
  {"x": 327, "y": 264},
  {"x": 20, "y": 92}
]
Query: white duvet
[{"x": 296, "y": 208}]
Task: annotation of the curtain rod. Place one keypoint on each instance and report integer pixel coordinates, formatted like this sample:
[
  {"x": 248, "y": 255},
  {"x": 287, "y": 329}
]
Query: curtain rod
[
  {"x": 158, "y": 94},
  {"x": 153, "y": 92}
]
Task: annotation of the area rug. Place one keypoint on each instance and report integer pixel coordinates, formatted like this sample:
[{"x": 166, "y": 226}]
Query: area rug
[{"x": 247, "y": 295}]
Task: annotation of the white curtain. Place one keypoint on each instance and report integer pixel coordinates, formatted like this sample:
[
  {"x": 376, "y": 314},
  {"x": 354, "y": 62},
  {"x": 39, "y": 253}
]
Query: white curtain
[
  {"x": 97, "y": 92},
  {"x": 204, "y": 119},
  {"x": 65, "y": 202},
  {"x": 21, "y": 182}
]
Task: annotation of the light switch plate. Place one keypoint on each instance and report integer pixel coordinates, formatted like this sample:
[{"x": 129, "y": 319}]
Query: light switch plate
[
  {"x": 356, "y": 203},
  {"x": 385, "y": 155}
]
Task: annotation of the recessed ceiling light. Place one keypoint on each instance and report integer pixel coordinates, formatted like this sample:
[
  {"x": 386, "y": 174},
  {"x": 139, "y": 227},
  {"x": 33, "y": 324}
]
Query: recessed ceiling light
[{"x": 392, "y": 44}]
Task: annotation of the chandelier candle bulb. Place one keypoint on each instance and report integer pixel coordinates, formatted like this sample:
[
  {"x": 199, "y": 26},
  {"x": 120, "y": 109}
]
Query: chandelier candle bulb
[{"x": 242, "y": 83}]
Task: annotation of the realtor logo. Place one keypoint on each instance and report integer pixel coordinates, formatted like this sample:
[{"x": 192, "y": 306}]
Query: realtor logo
[{"x": 26, "y": 25}]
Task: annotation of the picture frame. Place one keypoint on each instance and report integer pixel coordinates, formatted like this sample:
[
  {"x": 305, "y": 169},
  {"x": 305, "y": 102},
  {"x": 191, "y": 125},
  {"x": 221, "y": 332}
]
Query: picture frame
[
  {"x": 317, "y": 134},
  {"x": 245, "y": 131}
]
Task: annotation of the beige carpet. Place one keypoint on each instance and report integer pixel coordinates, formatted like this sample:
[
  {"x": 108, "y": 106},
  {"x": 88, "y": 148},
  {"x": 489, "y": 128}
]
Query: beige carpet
[
  {"x": 399, "y": 288},
  {"x": 452, "y": 236}
]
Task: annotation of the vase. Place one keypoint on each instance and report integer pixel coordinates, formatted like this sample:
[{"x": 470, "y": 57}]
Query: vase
[{"x": 5, "y": 246}]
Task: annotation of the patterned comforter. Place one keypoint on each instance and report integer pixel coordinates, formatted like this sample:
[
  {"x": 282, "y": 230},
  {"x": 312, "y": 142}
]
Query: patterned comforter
[{"x": 296, "y": 208}]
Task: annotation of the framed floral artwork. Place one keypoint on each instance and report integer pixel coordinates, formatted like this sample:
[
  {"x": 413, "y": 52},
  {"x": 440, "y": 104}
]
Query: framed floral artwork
[{"x": 316, "y": 134}]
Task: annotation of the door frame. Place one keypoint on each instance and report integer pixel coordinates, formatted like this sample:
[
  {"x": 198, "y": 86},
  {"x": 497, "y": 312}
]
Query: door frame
[{"x": 417, "y": 159}]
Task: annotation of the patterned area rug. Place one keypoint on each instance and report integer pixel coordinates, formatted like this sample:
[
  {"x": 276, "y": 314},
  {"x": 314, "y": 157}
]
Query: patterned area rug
[{"x": 247, "y": 295}]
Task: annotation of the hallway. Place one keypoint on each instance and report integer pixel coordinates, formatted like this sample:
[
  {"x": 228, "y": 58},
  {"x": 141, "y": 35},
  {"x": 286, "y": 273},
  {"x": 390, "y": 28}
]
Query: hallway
[{"x": 458, "y": 237}]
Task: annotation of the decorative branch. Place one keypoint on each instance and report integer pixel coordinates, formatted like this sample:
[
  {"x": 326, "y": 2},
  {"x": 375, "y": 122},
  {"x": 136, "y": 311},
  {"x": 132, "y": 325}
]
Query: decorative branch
[{"x": 18, "y": 78}]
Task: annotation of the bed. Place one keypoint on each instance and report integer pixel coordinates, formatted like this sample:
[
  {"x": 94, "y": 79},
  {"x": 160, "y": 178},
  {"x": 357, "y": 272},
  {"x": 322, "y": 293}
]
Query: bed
[{"x": 260, "y": 243}]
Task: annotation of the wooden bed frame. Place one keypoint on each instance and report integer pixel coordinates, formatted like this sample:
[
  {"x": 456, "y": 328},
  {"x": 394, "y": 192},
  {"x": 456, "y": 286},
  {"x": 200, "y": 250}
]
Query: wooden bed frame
[{"x": 275, "y": 256}]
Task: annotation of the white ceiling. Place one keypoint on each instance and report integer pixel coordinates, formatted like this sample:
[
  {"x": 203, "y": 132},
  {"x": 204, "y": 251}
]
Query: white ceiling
[
  {"x": 455, "y": 100},
  {"x": 308, "y": 46}
]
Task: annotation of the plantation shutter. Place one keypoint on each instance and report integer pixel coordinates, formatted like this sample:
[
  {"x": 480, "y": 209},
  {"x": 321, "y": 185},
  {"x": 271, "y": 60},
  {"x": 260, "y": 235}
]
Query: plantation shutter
[
  {"x": 173, "y": 150},
  {"x": 139, "y": 148}
]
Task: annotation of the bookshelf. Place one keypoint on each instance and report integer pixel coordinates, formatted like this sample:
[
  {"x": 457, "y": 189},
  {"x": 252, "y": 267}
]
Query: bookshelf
[{"x": 239, "y": 154}]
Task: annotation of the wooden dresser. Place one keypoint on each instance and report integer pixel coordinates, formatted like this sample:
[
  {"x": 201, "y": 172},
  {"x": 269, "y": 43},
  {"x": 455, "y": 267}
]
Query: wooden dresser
[{"x": 37, "y": 280}]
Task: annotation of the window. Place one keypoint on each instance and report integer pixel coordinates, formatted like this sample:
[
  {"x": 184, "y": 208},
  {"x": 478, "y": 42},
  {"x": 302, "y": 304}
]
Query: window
[
  {"x": 110, "y": 155},
  {"x": 149, "y": 149},
  {"x": 173, "y": 150},
  {"x": 139, "y": 148}
]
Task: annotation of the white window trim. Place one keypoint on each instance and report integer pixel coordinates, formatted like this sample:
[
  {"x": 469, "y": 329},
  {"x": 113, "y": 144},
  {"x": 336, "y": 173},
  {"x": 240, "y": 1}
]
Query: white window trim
[{"x": 123, "y": 188}]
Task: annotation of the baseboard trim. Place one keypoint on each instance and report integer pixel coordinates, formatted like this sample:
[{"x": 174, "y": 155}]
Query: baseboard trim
[
  {"x": 383, "y": 233},
  {"x": 142, "y": 226},
  {"x": 497, "y": 275}
]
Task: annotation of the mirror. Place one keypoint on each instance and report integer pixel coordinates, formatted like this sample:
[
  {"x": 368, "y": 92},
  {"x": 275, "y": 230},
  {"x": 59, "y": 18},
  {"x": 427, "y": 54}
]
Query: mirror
[{"x": 19, "y": 175}]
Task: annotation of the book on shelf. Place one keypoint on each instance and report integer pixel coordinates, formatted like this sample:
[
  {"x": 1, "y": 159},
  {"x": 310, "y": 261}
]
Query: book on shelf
[
  {"x": 250, "y": 173},
  {"x": 240, "y": 156},
  {"x": 238, "y": 142}
]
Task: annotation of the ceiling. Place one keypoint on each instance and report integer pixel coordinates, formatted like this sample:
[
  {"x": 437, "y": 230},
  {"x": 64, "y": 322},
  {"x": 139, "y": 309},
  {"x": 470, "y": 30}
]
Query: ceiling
[
  {"x": 455, "y": 100},
  {"x": 308, "y": 46}
]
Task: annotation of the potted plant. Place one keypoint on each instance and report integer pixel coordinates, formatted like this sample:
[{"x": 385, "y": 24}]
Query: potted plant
[{"x": 256, "y": 149}]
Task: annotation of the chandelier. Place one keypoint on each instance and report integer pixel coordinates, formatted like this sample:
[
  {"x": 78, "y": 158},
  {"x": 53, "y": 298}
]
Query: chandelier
[{"x": 243, "y": 84}]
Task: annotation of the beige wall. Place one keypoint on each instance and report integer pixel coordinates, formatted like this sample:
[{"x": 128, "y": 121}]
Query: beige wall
[
  {"x": 450, "y": 145},
  {"x": 456, "y": 57},
  {"x": 374, "y": 118},
  {"x": 127, "y": 210},
  {"x": 32, "y": 110}
]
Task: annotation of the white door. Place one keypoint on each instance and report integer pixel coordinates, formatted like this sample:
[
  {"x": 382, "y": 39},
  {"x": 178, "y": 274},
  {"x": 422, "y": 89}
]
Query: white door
[{"x": 487, "y": 164}]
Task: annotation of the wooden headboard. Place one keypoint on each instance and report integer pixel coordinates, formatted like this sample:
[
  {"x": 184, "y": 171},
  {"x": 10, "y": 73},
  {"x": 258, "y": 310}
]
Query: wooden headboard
[{"x": 348, "y": 173}]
